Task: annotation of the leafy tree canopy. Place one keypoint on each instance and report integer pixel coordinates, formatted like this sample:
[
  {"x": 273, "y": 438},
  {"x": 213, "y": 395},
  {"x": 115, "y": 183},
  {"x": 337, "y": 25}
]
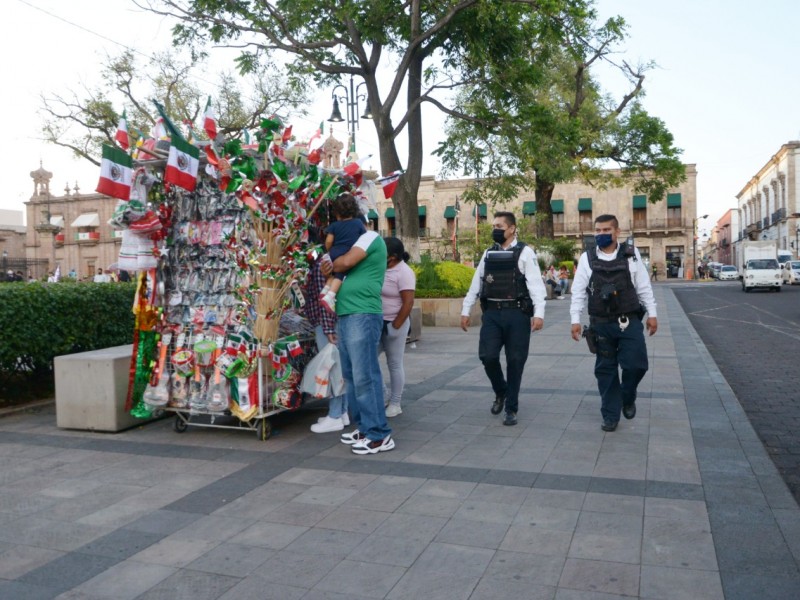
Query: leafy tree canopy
[
  {"x": 85, "y": 119},
  {"x": 557, "y": 124}
]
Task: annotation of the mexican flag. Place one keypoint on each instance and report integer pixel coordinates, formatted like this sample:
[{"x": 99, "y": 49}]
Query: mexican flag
[
  {"x": 116, "y": 173},
  {"x": 182, "y": 164},
  {"x": 210, "y": 121},
  {"x": 122, "y": 132},
  {"x": 354, "y": 167},
  {"x": 389, "y": 183}
]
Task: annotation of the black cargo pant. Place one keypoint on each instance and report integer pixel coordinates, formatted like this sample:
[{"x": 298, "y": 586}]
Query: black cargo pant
[{"x": 509, "y": 328}]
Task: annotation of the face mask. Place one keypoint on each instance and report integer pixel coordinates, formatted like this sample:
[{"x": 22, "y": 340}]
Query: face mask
[
  {"x": 499, "y": 235},
  {"x": 603, "y": 240}
]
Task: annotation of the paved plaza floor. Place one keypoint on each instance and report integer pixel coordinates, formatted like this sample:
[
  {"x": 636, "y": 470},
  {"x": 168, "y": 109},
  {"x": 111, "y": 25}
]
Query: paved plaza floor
[{"x": 680, "y": 503}]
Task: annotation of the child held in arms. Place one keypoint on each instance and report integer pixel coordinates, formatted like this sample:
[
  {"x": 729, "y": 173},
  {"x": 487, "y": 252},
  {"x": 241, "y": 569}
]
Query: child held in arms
[{"x": 340, "y": 237}]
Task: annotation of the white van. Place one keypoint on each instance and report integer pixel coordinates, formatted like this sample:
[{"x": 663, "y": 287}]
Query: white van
[{"x": 762, "y": 273}]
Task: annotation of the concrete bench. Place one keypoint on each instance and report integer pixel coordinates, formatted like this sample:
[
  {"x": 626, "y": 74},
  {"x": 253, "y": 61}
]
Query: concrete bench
[{"x": 91, "y": 388}]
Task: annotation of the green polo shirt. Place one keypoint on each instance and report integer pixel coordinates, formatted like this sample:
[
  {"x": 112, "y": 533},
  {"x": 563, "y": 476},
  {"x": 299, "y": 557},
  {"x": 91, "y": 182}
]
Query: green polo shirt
[{"x": 361, "y": 289}]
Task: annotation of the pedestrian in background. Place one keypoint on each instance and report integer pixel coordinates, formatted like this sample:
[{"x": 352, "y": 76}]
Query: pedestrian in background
[
  {"x": 615, "y": 280},
  {"x": 324, "y": 323},
  {"x": 397, "y": 298},
  {"x": 509, "y": 285}
]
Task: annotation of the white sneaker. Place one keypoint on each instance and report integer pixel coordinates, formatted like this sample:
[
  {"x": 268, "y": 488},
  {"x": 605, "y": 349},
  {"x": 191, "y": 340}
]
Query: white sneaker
[
  {"x": 367, "y": 446},
  {"x": 562, "y": 297},
  {"x": 393, "y": 410},
  {"x": 345, "y": 419},
  {"x": 326, "y": 425},
  {"x": 353, "y": 437}
]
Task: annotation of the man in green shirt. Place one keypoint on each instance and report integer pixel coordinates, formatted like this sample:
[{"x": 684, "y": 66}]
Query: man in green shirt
[{"x": 360, "y": 313}]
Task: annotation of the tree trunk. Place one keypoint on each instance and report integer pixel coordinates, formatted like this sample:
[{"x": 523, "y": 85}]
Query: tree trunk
[{"x": 544, "y": 212}]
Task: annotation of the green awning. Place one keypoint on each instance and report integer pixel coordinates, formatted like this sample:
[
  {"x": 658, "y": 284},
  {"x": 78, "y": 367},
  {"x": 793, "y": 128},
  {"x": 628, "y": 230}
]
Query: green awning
[
  {"x": 584, "y": 204},
  {"x": 640, "y": 201},
  {"x": 450, "y": 212},
  {"x": 557, "y": 206},
  {"x": 389, "y": 213},
  {"x": 372, "y": 214},
  {"x": 481, "y": 210},
  {"x": 421, "y": 210},
  {"x": 673, "y": 200},
  {"x": 529, "y": 208}
]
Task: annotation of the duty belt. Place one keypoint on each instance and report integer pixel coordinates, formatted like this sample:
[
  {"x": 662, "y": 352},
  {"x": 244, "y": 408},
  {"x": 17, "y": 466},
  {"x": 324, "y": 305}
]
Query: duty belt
[
  {"x": 613, "y": 318},
  {"x": 497, "y": 304}
]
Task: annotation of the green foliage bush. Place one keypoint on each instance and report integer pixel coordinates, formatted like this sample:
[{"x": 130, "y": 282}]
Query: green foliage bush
[
  {"x": 39, "y": 321},
  {"x": 442, "y": 279}
]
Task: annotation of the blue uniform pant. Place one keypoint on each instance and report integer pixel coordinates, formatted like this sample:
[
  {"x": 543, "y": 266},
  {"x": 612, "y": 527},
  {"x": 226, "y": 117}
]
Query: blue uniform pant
[
  {"x": 619, "y": 350},
  {"x": 509, "y": 328}
]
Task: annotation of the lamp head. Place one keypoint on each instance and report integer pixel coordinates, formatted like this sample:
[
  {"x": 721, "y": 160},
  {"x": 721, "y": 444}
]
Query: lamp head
[{"x": 336, "y": 115}]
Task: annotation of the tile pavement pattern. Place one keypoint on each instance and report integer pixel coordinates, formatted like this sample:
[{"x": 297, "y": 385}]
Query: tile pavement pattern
[{"x": 682, "y": 502}]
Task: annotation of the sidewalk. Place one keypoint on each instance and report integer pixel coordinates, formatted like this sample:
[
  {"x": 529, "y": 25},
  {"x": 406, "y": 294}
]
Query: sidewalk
[{"x": 680, "y": 503}]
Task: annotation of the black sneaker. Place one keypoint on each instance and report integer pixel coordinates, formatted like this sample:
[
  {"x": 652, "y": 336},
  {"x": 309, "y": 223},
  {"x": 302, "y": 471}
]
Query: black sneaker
[
  {"x": 511, "y": 418},
  {"x": 608, "y": 425},
  {"x": 499, "y": 401},
  {"x": 629, "y": 410}
]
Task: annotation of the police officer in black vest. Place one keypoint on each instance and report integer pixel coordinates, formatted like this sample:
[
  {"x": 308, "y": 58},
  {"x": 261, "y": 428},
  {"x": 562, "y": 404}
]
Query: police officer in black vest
[
  {"x": 617, "y": 285},
  {"x": 509, "y": 285}
]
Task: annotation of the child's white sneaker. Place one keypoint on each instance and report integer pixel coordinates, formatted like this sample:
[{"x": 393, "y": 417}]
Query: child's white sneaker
[{"x": 326, "y": 425}]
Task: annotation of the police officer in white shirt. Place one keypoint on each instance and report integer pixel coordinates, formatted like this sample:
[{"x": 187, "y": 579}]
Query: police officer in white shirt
[
  {"x": 616, "y": 283},
  {"x": 509, "y": 285}
]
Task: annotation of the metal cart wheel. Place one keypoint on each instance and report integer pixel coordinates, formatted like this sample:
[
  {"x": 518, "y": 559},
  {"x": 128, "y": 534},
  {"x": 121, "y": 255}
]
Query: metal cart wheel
[
  {"x": 180, "y": 425},
  {"x": 264, "y": 429}
]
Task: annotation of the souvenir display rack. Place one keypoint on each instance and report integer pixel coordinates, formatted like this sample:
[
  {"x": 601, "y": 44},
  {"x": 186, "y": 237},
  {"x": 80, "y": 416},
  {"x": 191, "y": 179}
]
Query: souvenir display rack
[{"x": 221, "y": 254}]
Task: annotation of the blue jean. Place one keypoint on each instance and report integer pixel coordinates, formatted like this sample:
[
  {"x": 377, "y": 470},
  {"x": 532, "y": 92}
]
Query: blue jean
[
  {"x": 625, "y": 350},
  {"x": 509, "y": 327},
  {"x": 359, "y": 336},
  {"x": 337, "y": 405}
]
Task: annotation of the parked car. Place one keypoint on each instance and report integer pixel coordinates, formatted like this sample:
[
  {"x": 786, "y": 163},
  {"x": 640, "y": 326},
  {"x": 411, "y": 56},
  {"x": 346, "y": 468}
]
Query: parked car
[
  {"x": 727, "y": 272},
  {"x": 713, "y": 269},
  {"x": 791, "y": 272}
]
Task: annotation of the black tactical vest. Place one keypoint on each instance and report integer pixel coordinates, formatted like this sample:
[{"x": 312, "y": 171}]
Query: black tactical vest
[
  {"x": 611, "y": 290},
  {"x": 502, "y": 279}
]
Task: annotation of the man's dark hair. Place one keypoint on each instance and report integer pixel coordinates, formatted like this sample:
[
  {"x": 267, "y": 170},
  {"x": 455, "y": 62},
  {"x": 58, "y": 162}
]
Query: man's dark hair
[
  {"x": 346, "y": 207},
  {"x": 606, "y": 219},
  {"x": 508, "y": 216}
]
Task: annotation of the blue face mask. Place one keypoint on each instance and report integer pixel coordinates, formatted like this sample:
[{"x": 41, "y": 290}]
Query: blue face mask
[{"x": 603, "y": 240}]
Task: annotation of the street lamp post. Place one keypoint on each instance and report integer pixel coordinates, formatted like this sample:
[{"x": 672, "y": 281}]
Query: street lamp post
[
  {"x": 694, "y": 244},
  {"x": 351, "y": 100},
  {"x": 5, "y": 263}
]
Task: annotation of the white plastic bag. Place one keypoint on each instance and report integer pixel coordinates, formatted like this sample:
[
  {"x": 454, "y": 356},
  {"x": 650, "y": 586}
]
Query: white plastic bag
[{"x": 322, "y": 377}]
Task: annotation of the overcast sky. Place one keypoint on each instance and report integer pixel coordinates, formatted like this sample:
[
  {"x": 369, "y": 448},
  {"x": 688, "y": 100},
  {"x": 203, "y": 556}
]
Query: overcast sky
[{"x": 726, "y": 84}]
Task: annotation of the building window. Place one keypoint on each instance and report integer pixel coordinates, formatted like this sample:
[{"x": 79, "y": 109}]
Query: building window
[
  {"x": 558, "y": 222},
  {"x": 674, "y": 217},
  {"x": 640, "y": 218},
  {"x": 585, "y": 220}
]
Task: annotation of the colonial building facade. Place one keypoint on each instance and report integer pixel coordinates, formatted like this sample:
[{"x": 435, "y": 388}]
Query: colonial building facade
[
  {"x": 769, "y": 204},
  {"x": 71, "y": 230},
  {"x": 662, "y": 231}
]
